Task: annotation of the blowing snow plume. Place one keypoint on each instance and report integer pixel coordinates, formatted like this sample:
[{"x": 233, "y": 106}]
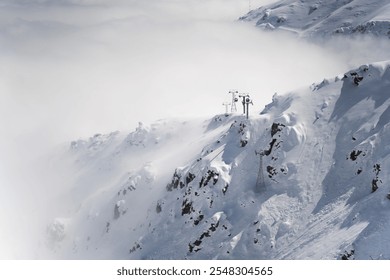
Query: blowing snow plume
[{"x": 75, "y": 69}]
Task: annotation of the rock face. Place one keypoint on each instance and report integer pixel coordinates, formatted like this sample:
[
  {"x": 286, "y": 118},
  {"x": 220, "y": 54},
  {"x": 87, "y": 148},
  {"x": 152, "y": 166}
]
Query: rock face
[
  {"x": 187, "y": 190},
  {"x": 313, "y": 18}
]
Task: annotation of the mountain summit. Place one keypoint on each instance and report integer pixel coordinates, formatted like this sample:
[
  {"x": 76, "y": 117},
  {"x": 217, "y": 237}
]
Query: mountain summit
[{"x": 313, "y": 18}]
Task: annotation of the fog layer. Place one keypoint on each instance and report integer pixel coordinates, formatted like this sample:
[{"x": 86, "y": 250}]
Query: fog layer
[{"x": 73, "y": 68}]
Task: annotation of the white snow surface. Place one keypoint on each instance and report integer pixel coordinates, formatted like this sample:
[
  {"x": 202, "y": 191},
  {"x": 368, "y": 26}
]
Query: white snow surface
[
  {"x": 315, "y": 18},
  {"x": 187, "y": 189}
]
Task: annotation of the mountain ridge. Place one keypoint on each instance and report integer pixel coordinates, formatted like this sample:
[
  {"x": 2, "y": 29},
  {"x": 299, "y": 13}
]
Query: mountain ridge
[
  {"x": 314, "y": 18},
  {"x": 187, "y": 190}
]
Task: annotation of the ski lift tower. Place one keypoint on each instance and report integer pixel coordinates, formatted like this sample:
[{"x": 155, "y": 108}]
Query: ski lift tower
[
  {"x": 260, "y": 182},
  {"x": 247, "y": 101},
  {"x": 226, "y": 104},
  {"x": 233, "y": 108},
  {"x": 243, "y": 96}
]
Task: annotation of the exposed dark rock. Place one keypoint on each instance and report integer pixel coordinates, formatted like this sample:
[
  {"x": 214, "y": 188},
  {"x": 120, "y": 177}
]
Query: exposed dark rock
[
  {"x": 213, "y": 227},
  {"x": 377, "y": 169},
  {"x": 224, "y": 190},
  {"x": 374, "y": 185},
  {"x": 197, "y": 242},
  {"x": 186, "y": 207},
  {"x": 188, "y": 191},
  {"x": 205, "y": 234},
  {"x": 243, "y": 143},
  {"x": 354, "y": 154},
  {"x": 357, "y": 80},
  {"x": 241, "y": 130},
  {"x": 198, "y": 220},
  {"x": 201, "y": 182},
  {"x": 271, "y": 145},
  {"x": 271, "y": 171},
  {"x": 348, "y": 255},
  {"x": 134, "y": 248},
  {"x": 190, "y": 177},
  {"x": 215, "y": 178},
  {"x": 206, "y": 179},
  {"x": 174, "y": 184},
  {"x": 275, "y": 128}
]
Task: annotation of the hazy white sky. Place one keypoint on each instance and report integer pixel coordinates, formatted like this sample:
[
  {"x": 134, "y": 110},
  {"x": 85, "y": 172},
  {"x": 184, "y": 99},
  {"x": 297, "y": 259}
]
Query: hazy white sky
[{"x": 73, "y": 68}]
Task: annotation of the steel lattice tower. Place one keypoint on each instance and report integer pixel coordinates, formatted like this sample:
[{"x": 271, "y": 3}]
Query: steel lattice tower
[
  {"x": 233, "y": 108},
  {"x": 260, "y": 182}
]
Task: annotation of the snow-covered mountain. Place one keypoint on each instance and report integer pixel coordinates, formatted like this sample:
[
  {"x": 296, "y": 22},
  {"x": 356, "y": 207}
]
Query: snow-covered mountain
[
  {"x": 304, "y": 178},
  {"x": 314, "y": 18}
]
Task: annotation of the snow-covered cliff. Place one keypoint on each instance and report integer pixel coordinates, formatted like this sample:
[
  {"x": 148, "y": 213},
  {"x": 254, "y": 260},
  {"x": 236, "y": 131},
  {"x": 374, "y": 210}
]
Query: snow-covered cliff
[{"x": 190, "y": 189}]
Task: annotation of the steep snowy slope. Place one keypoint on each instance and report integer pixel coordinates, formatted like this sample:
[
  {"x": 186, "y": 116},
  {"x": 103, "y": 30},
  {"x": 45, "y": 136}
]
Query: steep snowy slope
[
  {"x": 116, "y": 179},
  {"x": 323, "y": 18},
  {"x": 194, "y": 190}
]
